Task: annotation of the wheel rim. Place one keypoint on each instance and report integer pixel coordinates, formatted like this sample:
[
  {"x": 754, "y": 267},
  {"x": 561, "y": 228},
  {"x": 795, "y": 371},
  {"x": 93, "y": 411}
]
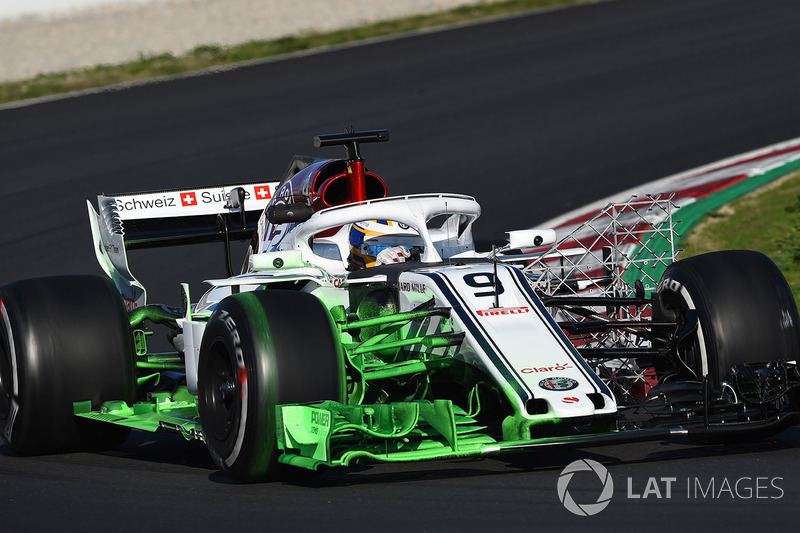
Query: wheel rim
[
  {"x": 221, "y": 398},
  {"x": 691, "y": 354}
]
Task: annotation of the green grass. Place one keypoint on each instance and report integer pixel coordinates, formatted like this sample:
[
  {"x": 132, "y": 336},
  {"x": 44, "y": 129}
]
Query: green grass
[
  {"x": 207, "y": 56},
  {"x": 766, "y": 220}
]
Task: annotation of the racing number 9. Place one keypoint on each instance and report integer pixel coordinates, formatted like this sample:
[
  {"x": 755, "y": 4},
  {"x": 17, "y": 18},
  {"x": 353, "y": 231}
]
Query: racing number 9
[{"x": 477, "y": 281}]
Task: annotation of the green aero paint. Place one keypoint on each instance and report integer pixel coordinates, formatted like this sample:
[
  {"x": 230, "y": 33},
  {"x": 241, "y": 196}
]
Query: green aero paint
[
  {"x": 332, "y": 434},
  {"x": 174, "y": 411}
]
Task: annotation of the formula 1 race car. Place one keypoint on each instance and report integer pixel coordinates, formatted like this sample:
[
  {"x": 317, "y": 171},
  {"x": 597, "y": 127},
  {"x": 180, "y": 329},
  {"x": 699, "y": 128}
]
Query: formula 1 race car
[{"x": 371, "y": 328}]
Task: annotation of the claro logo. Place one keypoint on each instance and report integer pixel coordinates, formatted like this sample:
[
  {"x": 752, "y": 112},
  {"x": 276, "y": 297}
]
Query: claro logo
[{"x": 536, "y": 370}]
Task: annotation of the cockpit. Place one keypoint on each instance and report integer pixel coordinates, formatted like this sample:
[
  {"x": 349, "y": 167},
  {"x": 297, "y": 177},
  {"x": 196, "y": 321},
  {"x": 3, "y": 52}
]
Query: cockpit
[{"x": 433, "y": 227}]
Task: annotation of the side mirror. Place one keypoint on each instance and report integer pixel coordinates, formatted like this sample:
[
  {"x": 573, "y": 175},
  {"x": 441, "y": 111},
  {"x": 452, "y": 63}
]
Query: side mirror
[
  {"x": 530, "y": 238},
  {"x": 286, "y": 213}
]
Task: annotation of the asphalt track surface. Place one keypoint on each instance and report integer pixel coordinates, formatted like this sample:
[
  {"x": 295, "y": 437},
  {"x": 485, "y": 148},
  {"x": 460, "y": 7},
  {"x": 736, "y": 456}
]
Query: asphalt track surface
[{"x": 534, "y": 116}]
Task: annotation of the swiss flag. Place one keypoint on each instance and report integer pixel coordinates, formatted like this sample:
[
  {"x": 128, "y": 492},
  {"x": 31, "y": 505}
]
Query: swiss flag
[
  {"x": 262, "y": 192},
  {"x": 188, "y": 198}
]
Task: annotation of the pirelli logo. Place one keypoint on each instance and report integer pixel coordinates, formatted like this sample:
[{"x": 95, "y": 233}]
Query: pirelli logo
[{"x": 499, "y": 311}]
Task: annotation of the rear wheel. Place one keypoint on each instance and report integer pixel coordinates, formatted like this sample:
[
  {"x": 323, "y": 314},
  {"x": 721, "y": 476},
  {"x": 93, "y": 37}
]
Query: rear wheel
[
  {"x": 62, "y": 340},
  {"x": 746, "y": 312},
  {"x": 259, "y": 350}
]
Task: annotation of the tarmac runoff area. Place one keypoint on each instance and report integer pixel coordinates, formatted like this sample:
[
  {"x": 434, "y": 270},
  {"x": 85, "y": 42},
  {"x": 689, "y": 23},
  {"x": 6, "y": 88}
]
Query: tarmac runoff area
[{"x": 40, "y": 36}]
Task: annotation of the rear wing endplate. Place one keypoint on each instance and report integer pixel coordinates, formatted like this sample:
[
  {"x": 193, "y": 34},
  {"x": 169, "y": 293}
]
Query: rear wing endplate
[{"x": 169, "y": 218}]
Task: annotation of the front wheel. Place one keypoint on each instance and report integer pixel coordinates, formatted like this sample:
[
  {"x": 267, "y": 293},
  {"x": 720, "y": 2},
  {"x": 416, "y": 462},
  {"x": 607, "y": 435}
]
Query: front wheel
[
  {"x": 746, "y": 312},
  {"x": 262, "y": 349}
]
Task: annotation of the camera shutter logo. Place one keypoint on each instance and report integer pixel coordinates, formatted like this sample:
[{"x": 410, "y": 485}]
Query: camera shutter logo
[{"x": 586, "y": 509}]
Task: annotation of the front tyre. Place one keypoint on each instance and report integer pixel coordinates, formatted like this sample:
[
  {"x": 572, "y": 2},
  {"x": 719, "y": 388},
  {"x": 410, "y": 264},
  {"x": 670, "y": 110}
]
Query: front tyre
[
  {"x": 745, "y": 309},
  {"x": 262, "y": 349}
]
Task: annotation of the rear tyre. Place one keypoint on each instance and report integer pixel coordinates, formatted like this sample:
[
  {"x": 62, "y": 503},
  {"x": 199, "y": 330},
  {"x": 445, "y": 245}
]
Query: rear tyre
[
  {"x": 62, "y": 340},
  {"x": 259, "y": 350},
  {"x": 746, "y": 312}
]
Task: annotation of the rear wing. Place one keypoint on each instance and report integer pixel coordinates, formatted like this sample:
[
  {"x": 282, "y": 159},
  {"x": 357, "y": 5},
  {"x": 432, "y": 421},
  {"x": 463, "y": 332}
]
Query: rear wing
[{"x": 168, "y": 218}]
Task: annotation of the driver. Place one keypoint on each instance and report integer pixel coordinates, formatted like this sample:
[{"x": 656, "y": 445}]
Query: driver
[{"x": 380, "y": 242}]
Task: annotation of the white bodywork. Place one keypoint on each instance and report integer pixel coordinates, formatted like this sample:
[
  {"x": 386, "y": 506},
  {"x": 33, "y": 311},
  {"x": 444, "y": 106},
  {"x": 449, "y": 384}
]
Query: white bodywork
[
  {"x": 508, "y": 333},
  {"x": 517, "y": 343}
]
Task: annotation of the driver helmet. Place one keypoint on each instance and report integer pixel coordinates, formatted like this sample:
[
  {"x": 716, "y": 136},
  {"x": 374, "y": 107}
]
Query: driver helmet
[{"x": 370, "y": 237}]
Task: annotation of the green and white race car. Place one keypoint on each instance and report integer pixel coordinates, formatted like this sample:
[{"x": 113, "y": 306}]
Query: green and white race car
[{"x": 370, "y": 328}]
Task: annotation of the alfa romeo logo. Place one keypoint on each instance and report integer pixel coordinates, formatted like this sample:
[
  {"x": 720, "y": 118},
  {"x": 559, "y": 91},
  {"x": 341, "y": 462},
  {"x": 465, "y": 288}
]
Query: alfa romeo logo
[
  {"x": 586, "y": 509},
  {"x": 558, "y": 384}
]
